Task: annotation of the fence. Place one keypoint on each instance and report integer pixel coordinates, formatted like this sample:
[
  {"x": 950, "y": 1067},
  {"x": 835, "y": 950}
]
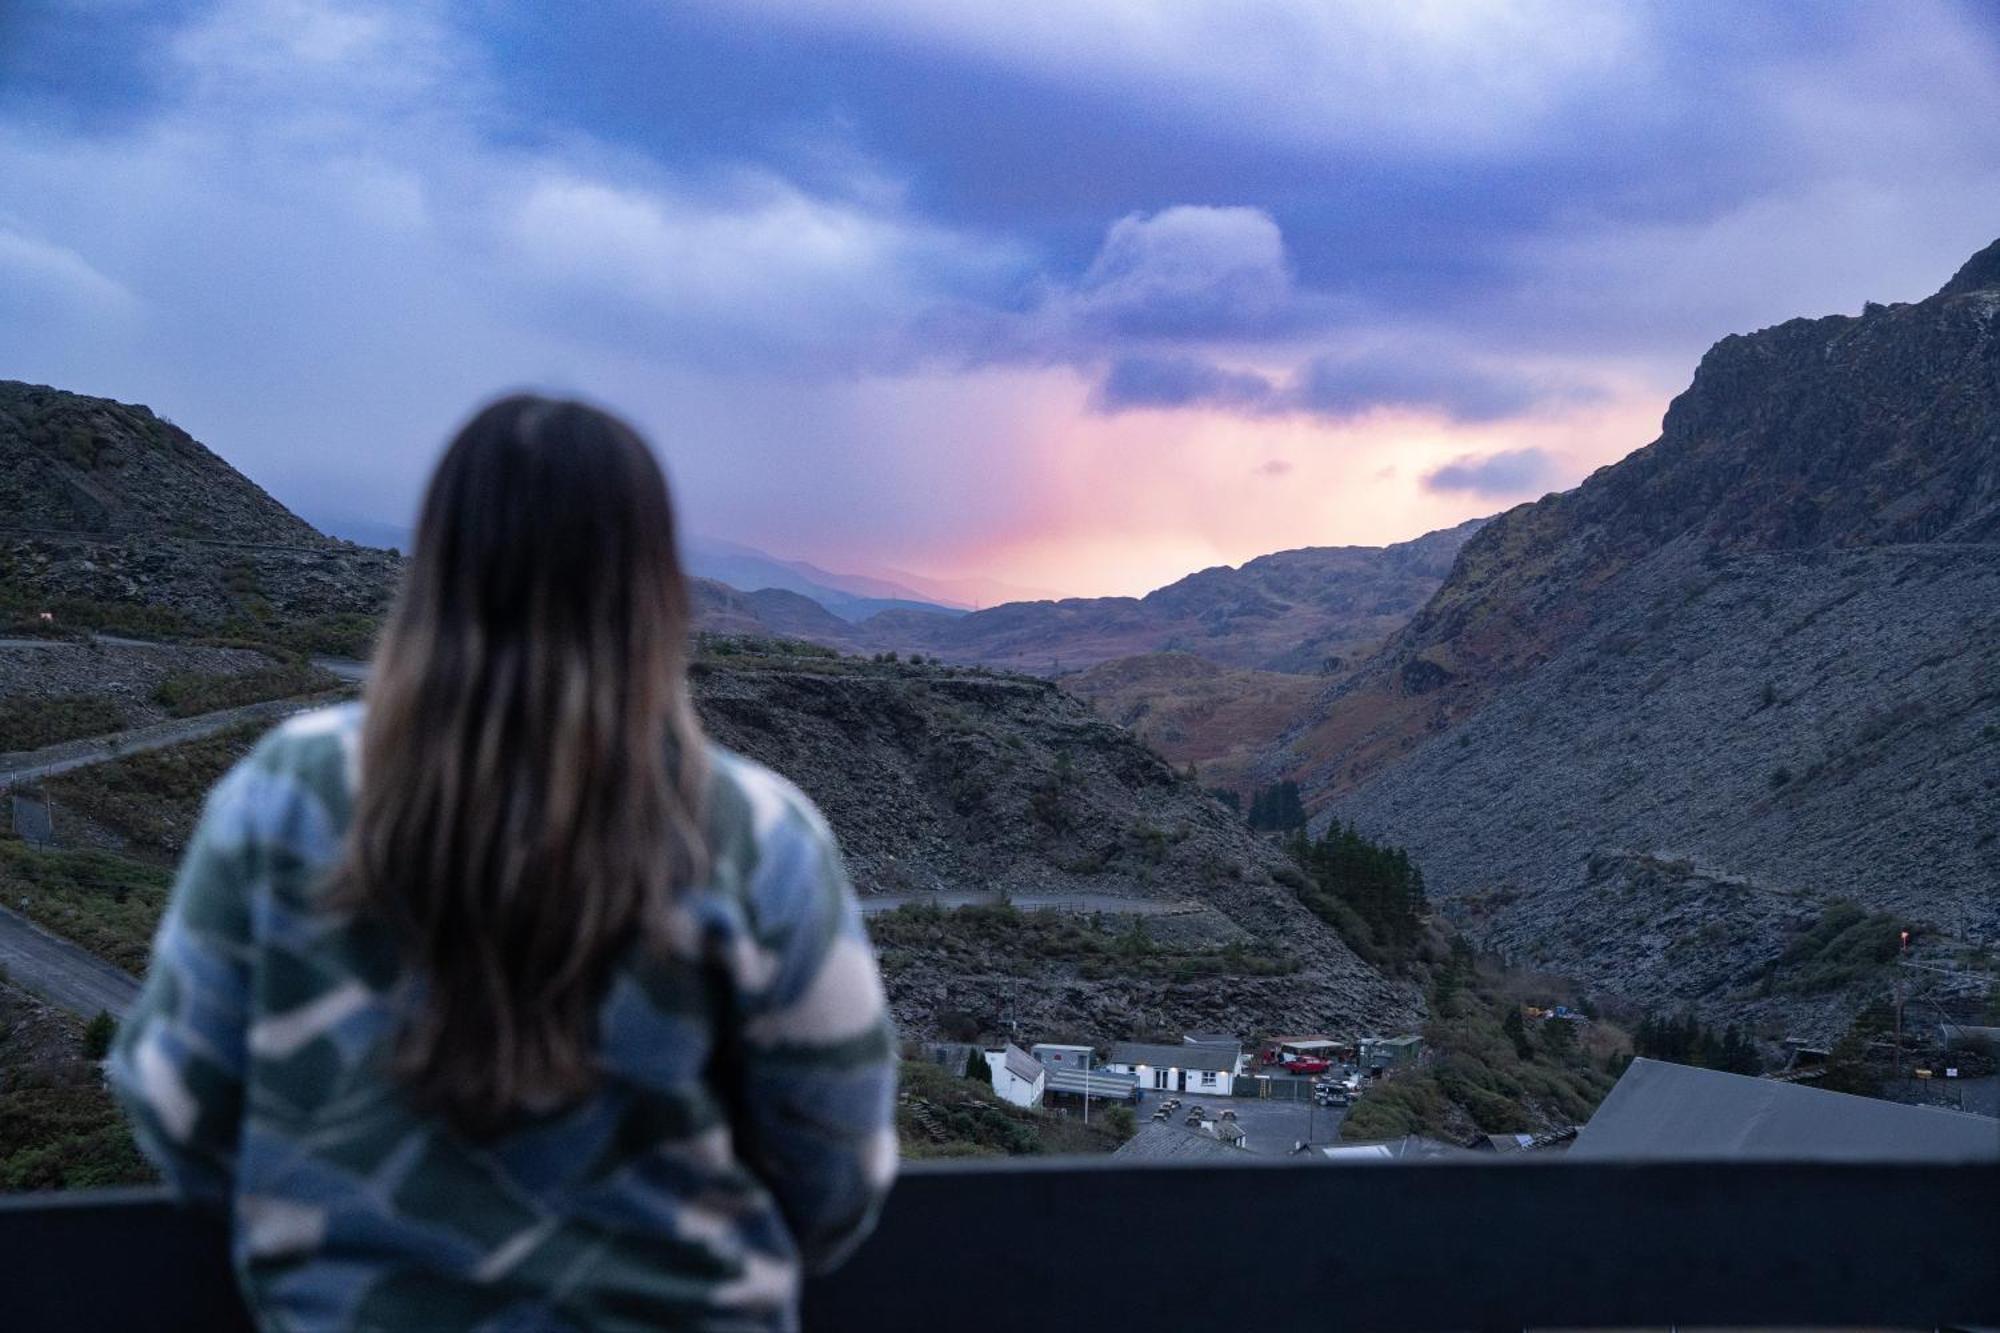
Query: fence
[{"x": 1505, "y": 1244}]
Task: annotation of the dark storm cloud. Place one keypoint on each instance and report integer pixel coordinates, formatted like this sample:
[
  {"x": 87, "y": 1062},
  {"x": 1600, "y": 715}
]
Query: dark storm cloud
[
  {"x": 1179, "y": 381},
  {"x": 1509, "y": 474}
]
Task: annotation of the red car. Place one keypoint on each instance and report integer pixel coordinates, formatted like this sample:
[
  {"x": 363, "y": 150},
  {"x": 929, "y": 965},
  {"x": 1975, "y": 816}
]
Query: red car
[{"x": 1306, "y": 1064}]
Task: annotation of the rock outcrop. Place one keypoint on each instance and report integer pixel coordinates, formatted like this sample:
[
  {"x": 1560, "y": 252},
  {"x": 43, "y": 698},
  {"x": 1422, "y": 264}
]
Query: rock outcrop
[{"x": 1767, "y": 644}]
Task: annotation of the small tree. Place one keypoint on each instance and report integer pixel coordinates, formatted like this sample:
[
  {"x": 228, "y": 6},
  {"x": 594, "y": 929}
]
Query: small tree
[{"x": 97, "y": 1035}]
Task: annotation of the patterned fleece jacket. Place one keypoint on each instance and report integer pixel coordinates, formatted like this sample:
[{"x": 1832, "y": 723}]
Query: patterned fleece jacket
[{"x": 742, "y": 1131}]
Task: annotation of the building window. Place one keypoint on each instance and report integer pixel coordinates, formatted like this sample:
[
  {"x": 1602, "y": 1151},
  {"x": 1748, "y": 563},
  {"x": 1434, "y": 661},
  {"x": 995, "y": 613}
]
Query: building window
[
  {"x": 1159, "y": 1078},
  {"x": 1208, "y": 1078}
]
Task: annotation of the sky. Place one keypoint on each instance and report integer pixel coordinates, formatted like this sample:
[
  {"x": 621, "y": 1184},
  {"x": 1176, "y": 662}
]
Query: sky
[{"x": 1061, "y": 295}]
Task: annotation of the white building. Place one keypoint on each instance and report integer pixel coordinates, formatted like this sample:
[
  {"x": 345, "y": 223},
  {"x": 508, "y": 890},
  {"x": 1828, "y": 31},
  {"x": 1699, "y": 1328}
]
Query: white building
[
  {"x": 1201, "y": 1069},
  {"x": 1017, "y": 1076}
]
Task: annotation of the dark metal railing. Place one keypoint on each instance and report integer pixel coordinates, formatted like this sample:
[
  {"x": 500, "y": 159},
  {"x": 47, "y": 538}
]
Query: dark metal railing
[{"x": 1083, "y": 1244}]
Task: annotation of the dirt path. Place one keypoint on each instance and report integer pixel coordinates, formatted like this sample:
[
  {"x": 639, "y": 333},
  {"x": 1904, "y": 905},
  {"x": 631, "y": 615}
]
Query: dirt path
[{"x": 62, "y": 973}]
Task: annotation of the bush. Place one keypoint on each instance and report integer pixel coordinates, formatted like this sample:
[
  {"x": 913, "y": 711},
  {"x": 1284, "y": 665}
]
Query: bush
[
  {"x": 29, "y": 724},
  {"x": 189, "y": 693},
  {"x": 97, "y": 1036}
]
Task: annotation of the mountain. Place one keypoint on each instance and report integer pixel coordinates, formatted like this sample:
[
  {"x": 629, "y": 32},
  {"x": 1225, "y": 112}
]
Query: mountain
[
  {"x": 1303, "y": 611},
  {"x": 852, "y": 597},
  {"x": 116, "y": 519},
  {"x": 74, "y": 464},
  {"x": 948, "y": 781},
  {"x": 1750, "y": 670}
]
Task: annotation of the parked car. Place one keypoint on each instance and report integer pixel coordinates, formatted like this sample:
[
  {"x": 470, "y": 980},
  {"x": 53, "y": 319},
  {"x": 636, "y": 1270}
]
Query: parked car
[{"x": 1306, "y": 1064}]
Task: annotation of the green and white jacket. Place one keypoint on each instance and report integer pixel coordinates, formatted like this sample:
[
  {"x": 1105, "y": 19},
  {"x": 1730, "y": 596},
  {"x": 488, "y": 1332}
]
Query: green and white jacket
[{"x": 743, "y": 1130}]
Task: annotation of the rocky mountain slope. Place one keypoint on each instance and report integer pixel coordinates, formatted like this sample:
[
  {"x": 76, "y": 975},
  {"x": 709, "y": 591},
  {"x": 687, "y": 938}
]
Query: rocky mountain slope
[
  {"x": 1763, "y": 651},
  {"x": 942, "y": 780},
  {"x": 1220, "y": 719},
  {"x": 113, "y": 518}
]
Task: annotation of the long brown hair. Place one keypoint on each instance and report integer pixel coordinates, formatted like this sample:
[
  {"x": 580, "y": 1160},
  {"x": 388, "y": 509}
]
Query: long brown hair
[{"x": 531, "y": 769}]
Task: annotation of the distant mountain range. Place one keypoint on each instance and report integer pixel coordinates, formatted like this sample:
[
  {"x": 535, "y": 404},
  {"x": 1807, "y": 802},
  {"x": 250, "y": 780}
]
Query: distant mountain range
[
  {"x": 1307, "y": 611},
  {"x": 852, "y": 597},
  {"x": 1671, "y": 715}
]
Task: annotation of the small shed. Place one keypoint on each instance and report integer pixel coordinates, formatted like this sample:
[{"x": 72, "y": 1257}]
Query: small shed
[{"x": 1018, "y": 1077}]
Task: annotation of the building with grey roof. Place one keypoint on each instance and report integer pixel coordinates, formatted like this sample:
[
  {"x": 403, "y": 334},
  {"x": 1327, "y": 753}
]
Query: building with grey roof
[
  {"x": 1210, "y": 1070},
  {"x": 1159, "y": 1141},
  {"x": 1660, "y": 1110}
]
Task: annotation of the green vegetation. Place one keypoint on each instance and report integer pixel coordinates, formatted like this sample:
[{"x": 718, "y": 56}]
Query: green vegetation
[
  {"x": 151, "y": 799},
  {"x": 1276, "y": 808},
  {"x": 1686, "y": 1041},
  {"x": 1848, "y": 944},
  {"x": 942, "y": 1116},
  {"x": 1369, "y": 892},
  {"x": 97, "y": 1035},
  {"x": 105, "y": 903},
  {"x": 30, "y": 723},
  {"x": 1000, "y": 937},
  {"x": 190, "y": 693},
  {"x": 59, "y": 1128},
  {"x": 22, "y": 605},
  {"x": 1488, "y": 1068}
]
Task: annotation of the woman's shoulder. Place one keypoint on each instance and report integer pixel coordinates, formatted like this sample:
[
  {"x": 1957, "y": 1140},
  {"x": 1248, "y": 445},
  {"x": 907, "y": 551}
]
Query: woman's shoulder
[
  {"x": 316, "y": 752},
  {"x": 750, "y": 803}
]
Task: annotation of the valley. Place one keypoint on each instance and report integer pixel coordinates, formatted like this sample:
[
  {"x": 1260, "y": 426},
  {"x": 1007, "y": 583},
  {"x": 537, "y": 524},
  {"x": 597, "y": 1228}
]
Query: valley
[{"x": 1714, "y": 734}]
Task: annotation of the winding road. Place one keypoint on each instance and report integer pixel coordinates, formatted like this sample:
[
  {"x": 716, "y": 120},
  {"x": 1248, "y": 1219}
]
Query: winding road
[
  {"x": 69, "y": 976},
  {"x": 62, "y": 973},
  {"x": 872, "y": 903}
]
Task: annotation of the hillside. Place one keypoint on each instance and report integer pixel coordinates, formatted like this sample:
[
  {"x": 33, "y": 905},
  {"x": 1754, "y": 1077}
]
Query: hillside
[
  {"x": 116, "y": 519},
  {"x": 941, "y": 780},
  {"x": 1759, "y": 659},
  {"x": 1220, "y": 719}
]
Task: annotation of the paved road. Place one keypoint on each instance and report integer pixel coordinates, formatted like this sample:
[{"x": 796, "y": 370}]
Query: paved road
[
  {"x": 871, "y": 903},
  {"x": 60, "y": 972},
  {"x": 32, "y": 765}
]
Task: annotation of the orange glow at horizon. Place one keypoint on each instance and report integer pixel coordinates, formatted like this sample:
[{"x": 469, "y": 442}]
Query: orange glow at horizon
[{"x": 1120, "y": 505}]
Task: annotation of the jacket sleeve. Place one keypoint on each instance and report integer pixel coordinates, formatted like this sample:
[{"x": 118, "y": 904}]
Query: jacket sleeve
[
  {"x": 816, "y": 1048},
  {"x": 177, "y": 1064}
]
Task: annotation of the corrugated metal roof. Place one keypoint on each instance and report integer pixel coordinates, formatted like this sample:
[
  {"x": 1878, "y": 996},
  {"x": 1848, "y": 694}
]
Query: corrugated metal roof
[
  {"x": 1662, "y": 1110},
  {"x": 1102, "y": 1083},
  {"x": 1172, "y": 1057}
]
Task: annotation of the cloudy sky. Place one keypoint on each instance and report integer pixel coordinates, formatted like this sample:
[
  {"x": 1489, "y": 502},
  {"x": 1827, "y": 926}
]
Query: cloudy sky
[{"x": 1072, "y": 294}]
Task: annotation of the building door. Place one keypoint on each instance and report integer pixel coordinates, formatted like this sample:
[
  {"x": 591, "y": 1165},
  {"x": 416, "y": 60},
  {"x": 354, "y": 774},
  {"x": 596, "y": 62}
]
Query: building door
[{"x": 1180, "y": 1080}]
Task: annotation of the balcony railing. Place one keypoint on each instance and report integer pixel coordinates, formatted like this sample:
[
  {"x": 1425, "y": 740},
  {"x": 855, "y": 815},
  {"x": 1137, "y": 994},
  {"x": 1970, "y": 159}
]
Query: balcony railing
[{"x": 1089, "y": 1244}]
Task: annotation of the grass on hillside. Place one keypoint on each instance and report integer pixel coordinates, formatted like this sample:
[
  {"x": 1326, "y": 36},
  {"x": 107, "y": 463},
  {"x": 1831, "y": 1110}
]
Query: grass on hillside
[
  {"x": 1846, "y": 945},
  {"x": 190, "y": 693},
  {"x": 153, "y": 798},
  {"x": 976, "y": 1123},
  {"x": 1481, "y": 1075},
  {"x": 1000, "y": 935},
  {"x": 29, "y": 724},
  {"x": 108, "y": 904},
  {"x": 59, "y": 1127}
]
